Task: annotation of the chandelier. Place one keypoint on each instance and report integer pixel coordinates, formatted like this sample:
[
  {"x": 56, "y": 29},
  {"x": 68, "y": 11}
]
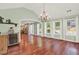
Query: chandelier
[{"x": 44, "y": 16}]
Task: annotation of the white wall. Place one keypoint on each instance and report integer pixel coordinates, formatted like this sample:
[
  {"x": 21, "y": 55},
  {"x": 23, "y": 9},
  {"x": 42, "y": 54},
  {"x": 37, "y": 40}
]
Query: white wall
[{"x": 5, "y": 27}]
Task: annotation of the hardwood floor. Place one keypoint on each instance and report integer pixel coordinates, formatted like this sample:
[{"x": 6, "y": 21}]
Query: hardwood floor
[{"x": 49, "y": 47}]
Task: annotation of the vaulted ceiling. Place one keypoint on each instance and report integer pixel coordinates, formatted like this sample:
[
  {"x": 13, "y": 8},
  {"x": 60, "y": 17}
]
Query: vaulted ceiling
[{"x": 54, "y": 10}]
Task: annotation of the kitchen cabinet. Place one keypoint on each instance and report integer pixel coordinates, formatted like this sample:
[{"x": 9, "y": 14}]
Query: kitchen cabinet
[
  {"x": 3, "y": 44},
  {"x": 13, "y": 39},
  {"x": 57, "y": 29},
  {"x": 71, "y": 29},
  {"x": 48, "y": 29}
]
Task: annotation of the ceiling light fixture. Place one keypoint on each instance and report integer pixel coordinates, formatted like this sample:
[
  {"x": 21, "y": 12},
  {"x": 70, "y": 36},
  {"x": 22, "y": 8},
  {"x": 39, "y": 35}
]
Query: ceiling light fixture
[{"x": 44, "y": 16}]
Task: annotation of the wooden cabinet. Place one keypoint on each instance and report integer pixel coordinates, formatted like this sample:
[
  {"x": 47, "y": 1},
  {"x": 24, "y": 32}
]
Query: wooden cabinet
[{"x": 3, "y": 44}]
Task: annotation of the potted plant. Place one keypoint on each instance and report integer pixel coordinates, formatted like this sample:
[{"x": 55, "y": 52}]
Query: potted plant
[{"x": 1, "y": 19}]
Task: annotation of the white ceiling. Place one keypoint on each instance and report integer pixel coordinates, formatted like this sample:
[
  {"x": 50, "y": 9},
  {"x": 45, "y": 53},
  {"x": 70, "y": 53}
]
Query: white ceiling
[{"x": 54, "y": 10}]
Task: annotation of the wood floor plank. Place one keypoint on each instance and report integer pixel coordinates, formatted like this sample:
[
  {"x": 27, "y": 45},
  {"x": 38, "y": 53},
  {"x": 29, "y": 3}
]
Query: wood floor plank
[{"x": 50, "y": 47}]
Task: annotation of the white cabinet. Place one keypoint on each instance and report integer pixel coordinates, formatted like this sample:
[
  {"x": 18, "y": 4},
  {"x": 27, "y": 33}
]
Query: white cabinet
[
  {"x": 48, "y": 29},
  {"x": 57, "y": 29},
  {"x": 40, "y": 29},
  {"x": 71, "y": 29}
]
